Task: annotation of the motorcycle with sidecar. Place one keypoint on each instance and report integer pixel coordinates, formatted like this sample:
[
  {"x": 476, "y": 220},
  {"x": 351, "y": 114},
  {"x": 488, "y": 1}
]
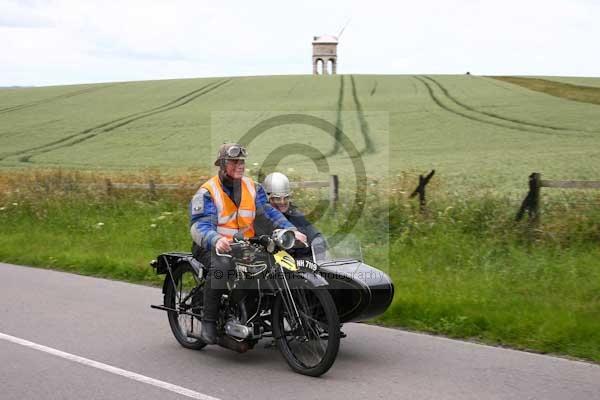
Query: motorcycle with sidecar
[{"x": 299, "y": 303}]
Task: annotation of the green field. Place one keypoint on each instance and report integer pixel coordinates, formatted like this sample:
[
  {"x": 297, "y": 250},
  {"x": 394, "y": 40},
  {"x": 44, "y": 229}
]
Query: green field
[{"x": 477, "y": 132}]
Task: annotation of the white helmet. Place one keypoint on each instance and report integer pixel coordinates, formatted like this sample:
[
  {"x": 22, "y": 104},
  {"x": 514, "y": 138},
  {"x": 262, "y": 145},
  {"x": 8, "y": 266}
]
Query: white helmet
[{"x": 277, "y": 184}]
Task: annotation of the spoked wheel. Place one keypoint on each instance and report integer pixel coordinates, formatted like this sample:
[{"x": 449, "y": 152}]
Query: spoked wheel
[
  {"x": 185, "y": 294},
  {"x": 307, "y": 329}
]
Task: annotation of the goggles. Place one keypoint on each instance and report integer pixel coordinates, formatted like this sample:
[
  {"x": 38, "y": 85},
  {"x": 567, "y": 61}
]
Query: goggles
[
  {"x": 237, "y": 151},
  {"x": 280, "y": 198}
]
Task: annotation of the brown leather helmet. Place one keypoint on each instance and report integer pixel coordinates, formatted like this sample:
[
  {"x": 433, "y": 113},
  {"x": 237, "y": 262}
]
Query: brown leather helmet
[{"x": 231, "y": 151}]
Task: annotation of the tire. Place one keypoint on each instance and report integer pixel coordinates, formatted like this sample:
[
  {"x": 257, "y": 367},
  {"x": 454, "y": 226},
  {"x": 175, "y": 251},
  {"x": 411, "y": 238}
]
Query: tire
[
  {"x": 310, "y": 351},
  {"x": 184, "y": 282}
]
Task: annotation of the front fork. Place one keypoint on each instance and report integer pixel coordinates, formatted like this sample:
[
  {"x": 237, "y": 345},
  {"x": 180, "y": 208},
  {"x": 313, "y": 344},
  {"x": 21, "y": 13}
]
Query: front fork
[{"x": 289, "y": 303}]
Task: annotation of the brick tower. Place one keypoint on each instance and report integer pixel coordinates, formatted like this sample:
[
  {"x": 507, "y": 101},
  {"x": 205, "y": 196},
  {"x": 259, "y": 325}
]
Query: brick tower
[{"x": 324, "y": 57}]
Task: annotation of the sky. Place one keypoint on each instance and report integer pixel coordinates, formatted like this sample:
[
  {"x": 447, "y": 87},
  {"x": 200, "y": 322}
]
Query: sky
[{"x": 84, "y": 41}]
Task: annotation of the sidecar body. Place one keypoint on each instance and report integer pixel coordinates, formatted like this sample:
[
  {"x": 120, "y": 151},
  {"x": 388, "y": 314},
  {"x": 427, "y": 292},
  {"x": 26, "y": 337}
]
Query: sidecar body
[{"x": 360, "y": 292}]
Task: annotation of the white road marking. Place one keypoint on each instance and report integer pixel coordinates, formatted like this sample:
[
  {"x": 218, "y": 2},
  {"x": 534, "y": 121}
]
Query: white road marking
[{"x": 108, "y": 368}]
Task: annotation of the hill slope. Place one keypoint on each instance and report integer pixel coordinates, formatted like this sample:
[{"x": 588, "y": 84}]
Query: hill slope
[{"x": 473, "y": 129}]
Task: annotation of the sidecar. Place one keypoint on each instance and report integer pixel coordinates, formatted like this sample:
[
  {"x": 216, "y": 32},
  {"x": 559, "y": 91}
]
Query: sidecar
[{"x": 359, "y": 291}]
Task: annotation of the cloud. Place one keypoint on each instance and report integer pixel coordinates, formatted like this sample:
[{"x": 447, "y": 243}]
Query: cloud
[
  {"x": 134, "y": 39},
  {"x": 22, "y": 15}
]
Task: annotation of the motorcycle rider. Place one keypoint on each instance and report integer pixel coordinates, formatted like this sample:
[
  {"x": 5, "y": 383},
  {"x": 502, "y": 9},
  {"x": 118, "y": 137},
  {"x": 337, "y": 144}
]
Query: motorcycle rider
[
  {"x": 279, "y": 193},
  {"x": 224, "y": 205}
]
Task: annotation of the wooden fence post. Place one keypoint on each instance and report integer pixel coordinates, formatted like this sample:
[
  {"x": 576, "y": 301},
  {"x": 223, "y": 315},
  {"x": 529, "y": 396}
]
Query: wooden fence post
[
  {"x": 536, "y": 186},
  {"x": 531, "y": 203},
  {"x": 109, "y": 187},
  {"x": 152, "y": 188},
  {"x": 333, "y": 190},
  {"x": 420, "y": 190}
]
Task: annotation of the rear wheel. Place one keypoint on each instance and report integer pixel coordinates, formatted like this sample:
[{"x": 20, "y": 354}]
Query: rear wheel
[
  {"x": 184, "y": 293},
  {"x": 307, "y": 329}
]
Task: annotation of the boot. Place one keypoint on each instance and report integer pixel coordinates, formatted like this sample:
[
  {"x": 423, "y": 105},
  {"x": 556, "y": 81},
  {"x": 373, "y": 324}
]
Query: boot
[
  {"x": 208, "y": 332},
  {"x": 212, "y": 299}
]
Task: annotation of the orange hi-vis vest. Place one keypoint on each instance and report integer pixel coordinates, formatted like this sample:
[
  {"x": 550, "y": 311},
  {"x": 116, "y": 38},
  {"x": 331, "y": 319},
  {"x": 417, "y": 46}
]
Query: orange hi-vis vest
[{"x": 232, "y": 219}]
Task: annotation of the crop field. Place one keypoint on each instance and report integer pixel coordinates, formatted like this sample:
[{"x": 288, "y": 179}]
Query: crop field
[{"x": 477, "y": 132}]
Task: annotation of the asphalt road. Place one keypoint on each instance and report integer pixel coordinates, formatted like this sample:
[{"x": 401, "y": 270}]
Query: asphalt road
[{"x": 65, "y": 336}]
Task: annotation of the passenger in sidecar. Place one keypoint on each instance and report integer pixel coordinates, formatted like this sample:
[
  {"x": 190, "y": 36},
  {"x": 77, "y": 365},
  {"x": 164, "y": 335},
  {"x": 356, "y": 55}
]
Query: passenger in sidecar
[{"x": 279, "y": 193}]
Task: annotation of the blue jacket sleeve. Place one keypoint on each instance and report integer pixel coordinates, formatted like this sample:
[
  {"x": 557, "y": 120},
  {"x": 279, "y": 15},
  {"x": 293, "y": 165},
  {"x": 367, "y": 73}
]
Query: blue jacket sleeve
[
  {"x": 297, "y": 218},
  {"x": 278, "y": 220},
  {"x": 203, "y": 220}
]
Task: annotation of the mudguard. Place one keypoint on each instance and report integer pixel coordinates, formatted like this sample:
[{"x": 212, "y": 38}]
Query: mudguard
[
  {"x": 171, "y": 260},
  {"x": 314, "y": 279},
  {"x": 360, "y": 292}
]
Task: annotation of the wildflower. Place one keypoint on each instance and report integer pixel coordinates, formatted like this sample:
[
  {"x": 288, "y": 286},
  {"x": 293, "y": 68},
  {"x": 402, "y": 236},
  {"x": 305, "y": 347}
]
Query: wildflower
[
  {"x": 153, "y": 226},
  {"x": 161, "y": 217},
  {"x": 15, "y": 204},
  {"x": 2, "y": 208},
  {"x": 99, "y": 224}
]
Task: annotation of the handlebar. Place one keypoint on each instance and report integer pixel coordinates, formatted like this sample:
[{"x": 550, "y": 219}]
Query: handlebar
[
  {"x": 267, "y": 242},
  {"x": 235, "y": 246},
  {"x": 222, "y": 254},
  {"x": 302, "y": 244}
]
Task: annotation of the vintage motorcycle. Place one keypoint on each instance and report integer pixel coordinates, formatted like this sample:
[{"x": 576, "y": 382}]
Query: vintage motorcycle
[{"x": 301, "y": 304}]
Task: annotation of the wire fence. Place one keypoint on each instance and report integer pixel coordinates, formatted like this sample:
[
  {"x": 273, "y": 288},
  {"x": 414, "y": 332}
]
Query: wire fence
[{"x": 152, "y": 187}]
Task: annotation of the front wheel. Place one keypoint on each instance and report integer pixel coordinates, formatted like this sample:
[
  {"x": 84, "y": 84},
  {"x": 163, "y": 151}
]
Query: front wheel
[
  {"x": 184, "y": 293},
  {"x": 307, "y": 329}
]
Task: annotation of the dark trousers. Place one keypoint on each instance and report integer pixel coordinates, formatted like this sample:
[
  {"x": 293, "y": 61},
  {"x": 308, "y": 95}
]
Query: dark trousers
[{"x": 220, "y": 270}]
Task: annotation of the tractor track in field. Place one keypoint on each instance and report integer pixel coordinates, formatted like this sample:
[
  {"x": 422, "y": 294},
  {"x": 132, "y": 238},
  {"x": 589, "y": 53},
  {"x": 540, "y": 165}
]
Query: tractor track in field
[
  {"x": 501, "y": 121},
  {"x": 374, "y": 88},
  {"x": 54, "y": 98},
  {"x": 498, "y": 116},
  {"x": 415, "y": 88},
  {"x": 294, "y": 86},
  {"x": 90, "y": 133},
  {"x": 171, "y": 106},
  {"x": 364, "y": 125},
  {"x": 339, "y": 123}
]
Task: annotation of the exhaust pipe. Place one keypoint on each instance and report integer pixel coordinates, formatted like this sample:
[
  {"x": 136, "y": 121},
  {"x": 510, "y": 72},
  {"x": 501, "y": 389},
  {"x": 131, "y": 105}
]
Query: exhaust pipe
[
  {"x": 229, "y": 343},
  {"x": 226, "y": 342}
]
